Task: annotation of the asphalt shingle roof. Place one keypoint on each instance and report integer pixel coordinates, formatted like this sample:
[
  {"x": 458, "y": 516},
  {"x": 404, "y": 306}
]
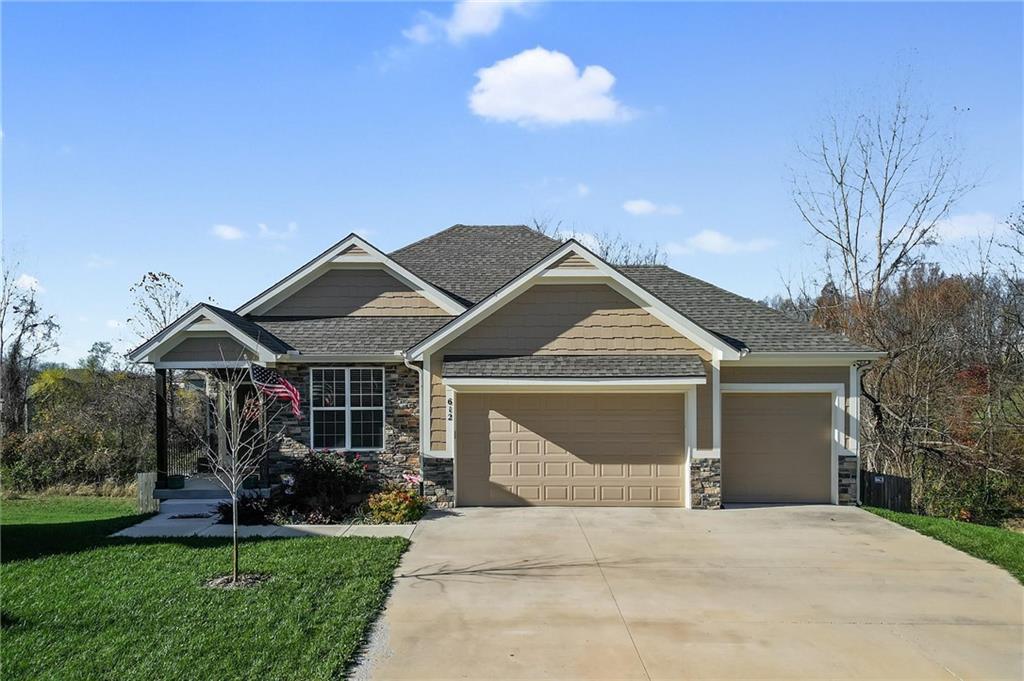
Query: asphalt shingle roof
[
  {"x": 573, "y": 366},
  {"x": 739, "y": 321},
  {"x": 349, "y": 335},
  {"x": 471, "y": 262},
  {"x": 262, "y": 336}
]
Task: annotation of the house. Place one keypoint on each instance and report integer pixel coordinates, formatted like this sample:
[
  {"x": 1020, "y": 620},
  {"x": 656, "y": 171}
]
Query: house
[{"x": 510, "y": 368}]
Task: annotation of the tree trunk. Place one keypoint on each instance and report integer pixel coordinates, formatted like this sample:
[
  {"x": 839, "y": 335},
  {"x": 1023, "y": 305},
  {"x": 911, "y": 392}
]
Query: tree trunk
[{"x": 234, "y": 538}]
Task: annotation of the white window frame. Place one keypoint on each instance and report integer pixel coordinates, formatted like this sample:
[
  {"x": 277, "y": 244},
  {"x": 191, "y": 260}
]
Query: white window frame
[{"x": 348, "y": 409}]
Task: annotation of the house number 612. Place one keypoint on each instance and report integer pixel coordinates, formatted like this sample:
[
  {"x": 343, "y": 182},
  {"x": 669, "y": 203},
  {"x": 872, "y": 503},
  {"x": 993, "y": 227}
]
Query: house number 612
[{"x": 451, "y": 409}]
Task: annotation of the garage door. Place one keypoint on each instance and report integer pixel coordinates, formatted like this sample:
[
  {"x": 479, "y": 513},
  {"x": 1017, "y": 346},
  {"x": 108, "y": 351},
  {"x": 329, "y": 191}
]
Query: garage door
[
  {"x": 776, "y": 448},
  {"x": 569, "y": 449}
]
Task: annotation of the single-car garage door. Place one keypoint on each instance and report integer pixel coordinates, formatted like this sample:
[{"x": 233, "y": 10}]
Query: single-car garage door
[
  {"x": 561, "y": 449},
  {"x": 776, "y": 448}
]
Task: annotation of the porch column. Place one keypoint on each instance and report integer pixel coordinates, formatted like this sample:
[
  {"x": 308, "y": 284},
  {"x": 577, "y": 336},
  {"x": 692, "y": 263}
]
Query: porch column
[{"x": 161, "y": 428}]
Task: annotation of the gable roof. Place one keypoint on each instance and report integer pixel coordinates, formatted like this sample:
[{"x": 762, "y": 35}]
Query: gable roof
[
  {"x": 472, "y": 261},
  {"x": 350, "y": 335},
  {"x": 249, "y": 334},
  {"x": 355, "y": 250},
  {"x": 605, "y": 273},
  {"x": 743, "y": 323}
]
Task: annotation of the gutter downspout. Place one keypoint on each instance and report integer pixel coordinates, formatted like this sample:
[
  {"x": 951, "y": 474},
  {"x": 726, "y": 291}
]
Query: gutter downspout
[{"x": 419, "y": 372}]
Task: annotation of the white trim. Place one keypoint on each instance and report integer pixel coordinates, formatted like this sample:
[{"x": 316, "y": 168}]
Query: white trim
[
  {"x": 572, "y": 384},
  {"x": 716, "y": 407},
  {"x": 517, "y": 286},
  {"x": 837, "y": 391},
  {"x": 310, "y": 270},
  {"x": 449, "y": 420},
  {"x": 853, "y": 439},
  {"x": 690, "y": 441},
  {"x": 426, "y": 406},
  {"x": 782, "y": 359},
  {"x": 218, "y": 323},
  {"x": 348, "y": 409},
  {"x": 195, "y": 364}
]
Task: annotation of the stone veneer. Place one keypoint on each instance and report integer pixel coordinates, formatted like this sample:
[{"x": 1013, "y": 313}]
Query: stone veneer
[
  {"x": 706, "y": 483},
  {"x": 401, "y": 452},
  {"x": 849, "y": 495}
]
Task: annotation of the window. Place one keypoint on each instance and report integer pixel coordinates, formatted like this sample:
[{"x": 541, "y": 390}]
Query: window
[{"x": 347, "y": 408}]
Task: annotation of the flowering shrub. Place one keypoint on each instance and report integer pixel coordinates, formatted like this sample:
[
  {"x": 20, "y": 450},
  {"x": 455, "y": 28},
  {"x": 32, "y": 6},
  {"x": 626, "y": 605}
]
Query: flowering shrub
[{"x": 397, "y": 505}]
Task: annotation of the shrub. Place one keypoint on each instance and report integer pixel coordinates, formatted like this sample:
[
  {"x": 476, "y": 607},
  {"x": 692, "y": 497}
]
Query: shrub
[
  {"x": 64, "y": 455},
  {"x": 397, "y": 505},
  {"x": 253, "y": 509},
  {"x": 328, "y": 484}
]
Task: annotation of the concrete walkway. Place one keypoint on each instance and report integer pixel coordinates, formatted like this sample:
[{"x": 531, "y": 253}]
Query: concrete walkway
[
  {"x": 767, "y": 593},
  {"x": 164, "y": 524}
]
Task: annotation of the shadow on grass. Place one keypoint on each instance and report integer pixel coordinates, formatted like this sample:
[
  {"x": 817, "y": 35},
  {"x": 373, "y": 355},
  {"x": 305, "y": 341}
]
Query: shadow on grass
[{"x": 36, "y": 540}]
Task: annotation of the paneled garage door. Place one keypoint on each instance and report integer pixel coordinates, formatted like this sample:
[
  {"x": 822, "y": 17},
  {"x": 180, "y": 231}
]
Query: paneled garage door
[
  {"x": 776, "y": 448},
  {"x": 569, "y": 449}
]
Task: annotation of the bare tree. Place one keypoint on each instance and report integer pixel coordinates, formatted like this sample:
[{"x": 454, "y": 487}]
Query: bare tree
[
  {"x": 877, "y": 188},
  {"x": 614, "y": 248},
  {"x": 26, "y": 334},
  {"x": 157, "y": 299},
  {"x": 243, "y": 440}
]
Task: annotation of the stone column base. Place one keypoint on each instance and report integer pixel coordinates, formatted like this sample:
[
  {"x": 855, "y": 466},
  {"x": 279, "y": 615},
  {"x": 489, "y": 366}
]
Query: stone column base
[
  {"x": 439, "y": 482},
  {"x": 848, "y": 492},
  {"x": 706, "y": 483}
]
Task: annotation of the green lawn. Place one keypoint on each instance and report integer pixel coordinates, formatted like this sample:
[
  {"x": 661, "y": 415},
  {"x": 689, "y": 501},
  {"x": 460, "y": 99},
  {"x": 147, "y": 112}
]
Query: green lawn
[
  {"x": 79, "y": 605},
  {"x": 994, "y": 544}
]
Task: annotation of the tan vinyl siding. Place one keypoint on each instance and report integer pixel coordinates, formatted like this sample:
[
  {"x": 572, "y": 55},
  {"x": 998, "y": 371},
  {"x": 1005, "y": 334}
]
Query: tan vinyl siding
[
  {"x": 438, "y": 425},
  {"x": 573, "y": 261},
  {"x": 221, "y": 348},
  {"x": 570, "y": 449},
  {"x": 587, "y": 319},
  {"x": 776, "y": 448},
  {"x": 832, "y": 374},
  {"x": 347, "y": 292}
]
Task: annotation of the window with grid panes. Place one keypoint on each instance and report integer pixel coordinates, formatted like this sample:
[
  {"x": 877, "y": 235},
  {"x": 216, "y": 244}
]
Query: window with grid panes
[{"x": 347, "y": 408}]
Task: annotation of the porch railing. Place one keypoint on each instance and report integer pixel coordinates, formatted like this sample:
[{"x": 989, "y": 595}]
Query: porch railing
[{"x": 184, "y": 458}]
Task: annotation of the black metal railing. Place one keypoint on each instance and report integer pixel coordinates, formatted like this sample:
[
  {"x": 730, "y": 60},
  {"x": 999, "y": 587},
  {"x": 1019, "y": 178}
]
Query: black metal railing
[{"x": 184, "y": 457}]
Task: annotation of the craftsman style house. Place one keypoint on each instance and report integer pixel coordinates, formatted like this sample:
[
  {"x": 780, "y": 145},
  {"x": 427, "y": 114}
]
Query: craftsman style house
[{"x": 510, "y": 368}]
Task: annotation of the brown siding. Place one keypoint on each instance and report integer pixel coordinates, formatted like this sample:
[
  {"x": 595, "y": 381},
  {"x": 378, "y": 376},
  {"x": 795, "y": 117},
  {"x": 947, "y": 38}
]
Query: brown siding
[
  {"x": 221, "y": 348},
  {"x": 570, "y": 449},
  {"x": 438, "y": 426},
  {"x": 344, "y": 292},
  {"x": 354, "y": 250},
  {"x": 570, "y": 319},
  {"x": 834, "y": 374}
]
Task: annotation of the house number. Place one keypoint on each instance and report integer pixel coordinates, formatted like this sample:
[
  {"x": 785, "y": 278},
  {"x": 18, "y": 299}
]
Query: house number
[{"x": 451, "y": 409}]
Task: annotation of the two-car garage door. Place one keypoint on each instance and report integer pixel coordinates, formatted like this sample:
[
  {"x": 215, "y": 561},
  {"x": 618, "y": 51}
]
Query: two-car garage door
[{"x": 590, "y": 449}]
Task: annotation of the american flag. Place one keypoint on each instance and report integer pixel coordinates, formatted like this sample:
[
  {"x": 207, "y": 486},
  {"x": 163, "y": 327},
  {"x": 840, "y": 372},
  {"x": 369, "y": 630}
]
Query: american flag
[{"x": 274, "y": 384}]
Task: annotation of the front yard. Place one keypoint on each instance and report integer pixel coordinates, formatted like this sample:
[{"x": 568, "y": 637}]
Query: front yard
[
  {"x": 994, "y": 544},
  {"x": 77, "y": 604}
]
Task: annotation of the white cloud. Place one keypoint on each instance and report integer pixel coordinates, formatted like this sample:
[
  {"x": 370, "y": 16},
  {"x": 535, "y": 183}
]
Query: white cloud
[
  {"x": 113, "y": 324},
  {"x": 968, "y": 225},
  {"x": 543, "y": 87},
  {"x": 469, "y": 18},
  {"x": 227, "y": 232},
  {"x": 29, "y": 283},
  {"x": 286, "y": 233},
  {"x": 645, "y": 207},
  {"x": 95, "y": 262},
  {"x": 716, "y": 243},
  {"x": 582, "y": 190}
]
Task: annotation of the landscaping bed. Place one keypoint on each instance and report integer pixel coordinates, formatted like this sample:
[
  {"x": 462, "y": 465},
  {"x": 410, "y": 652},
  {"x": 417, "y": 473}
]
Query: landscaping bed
[
  {"x": 77, "y": 604},
  {"x": 1004, "y": 548}
]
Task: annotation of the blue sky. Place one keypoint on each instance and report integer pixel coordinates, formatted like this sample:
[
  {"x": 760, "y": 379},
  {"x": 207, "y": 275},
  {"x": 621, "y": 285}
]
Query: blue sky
[{"x": 138, "y": 136}]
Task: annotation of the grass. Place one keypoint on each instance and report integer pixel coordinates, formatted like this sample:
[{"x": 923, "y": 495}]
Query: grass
[
  {"x": 993, "y": 544},
  {"x": 77, "y": 604}
]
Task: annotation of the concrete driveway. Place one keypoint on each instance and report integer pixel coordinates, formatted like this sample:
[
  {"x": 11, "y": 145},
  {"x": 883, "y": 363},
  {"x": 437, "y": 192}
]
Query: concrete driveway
[{"x": 809, "y": 592}]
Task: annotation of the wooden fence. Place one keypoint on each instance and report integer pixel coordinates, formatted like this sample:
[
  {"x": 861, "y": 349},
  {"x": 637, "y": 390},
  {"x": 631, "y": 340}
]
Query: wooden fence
[{"x": 885, "y": 491}]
